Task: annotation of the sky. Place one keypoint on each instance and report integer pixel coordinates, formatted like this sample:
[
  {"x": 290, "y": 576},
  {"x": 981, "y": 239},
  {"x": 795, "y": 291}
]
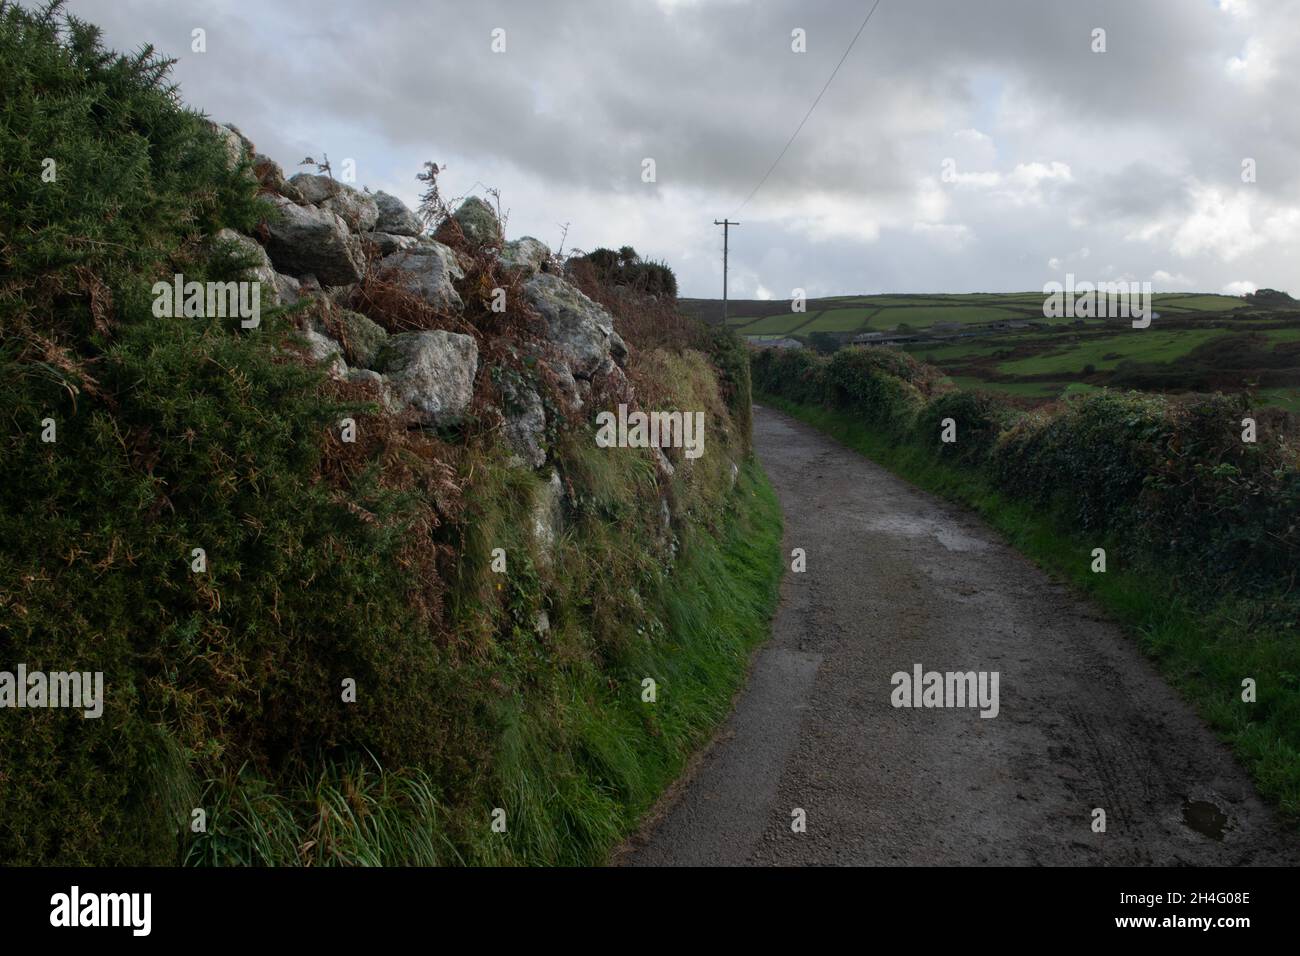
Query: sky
[{"x": 962, "y": 146}]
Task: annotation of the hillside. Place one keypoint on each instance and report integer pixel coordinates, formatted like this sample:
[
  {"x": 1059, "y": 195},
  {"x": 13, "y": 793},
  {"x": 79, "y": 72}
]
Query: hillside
[{"x": 1005, "y": 344}]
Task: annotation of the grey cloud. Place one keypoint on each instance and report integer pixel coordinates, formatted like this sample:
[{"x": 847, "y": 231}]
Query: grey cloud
[{"x": 711, "y": 90}]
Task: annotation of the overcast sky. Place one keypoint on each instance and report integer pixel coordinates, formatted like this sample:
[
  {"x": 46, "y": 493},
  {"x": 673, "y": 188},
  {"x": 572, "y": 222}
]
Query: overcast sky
[{"x": 1125, "y": 164}]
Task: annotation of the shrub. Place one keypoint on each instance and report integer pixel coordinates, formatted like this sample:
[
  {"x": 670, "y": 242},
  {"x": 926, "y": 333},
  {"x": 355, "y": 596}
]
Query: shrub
[
  {"x": 1091, "y": 458},
  {"x": 1170, "y": 478},
  {"x": 175, "y": 434},
  {"x": 1231, "y": 508},
  {"x": 887, "y": 388},
  {"x": 730, "y": 357},
  {"x": 626, "y": 268},
  {"x": 644, "y": 320},
  {"x": 979, "y": 418},
  {"x": 793, "y": 373}
]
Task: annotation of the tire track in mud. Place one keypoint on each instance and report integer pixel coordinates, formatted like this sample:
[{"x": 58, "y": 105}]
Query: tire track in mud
[{"x": 896, "y": 577}]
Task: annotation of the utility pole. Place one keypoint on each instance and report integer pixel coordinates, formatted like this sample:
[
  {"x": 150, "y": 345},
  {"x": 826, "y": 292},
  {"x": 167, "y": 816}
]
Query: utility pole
[{"x": 725, "y": 224}]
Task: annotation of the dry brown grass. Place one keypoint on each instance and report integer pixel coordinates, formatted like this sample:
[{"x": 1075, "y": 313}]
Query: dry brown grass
[{"x": 405, "y": 459}]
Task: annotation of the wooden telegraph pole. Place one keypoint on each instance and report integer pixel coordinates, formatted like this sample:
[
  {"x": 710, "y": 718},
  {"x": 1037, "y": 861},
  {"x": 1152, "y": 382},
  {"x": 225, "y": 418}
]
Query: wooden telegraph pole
[{"x": 725, "y": 224}]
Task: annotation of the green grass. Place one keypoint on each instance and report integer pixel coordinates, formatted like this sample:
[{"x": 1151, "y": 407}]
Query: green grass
[
  {"x": 1286, "y": 398},
  {"x": 840, "y": 320},
  {"x": 1198, "y": 303},
  {"x": 579, "y": 762},
  {"x": 354, "y": 813},
  {"x": 1023, "y": 389},
  {"x": 882, "y": 301},
  {"x": 968, "y": 348},
  {"x": 924, "y": 316},
  {"x": 1106, "y": 352},
  {"x": 1203, "y": 645},
  {"x": 778, "y": 324},
  {"x": 572, "y": 803},
  {"x": 1079, "y": 388}
]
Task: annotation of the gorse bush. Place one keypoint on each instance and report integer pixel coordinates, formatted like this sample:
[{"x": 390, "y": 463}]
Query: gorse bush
[
  {"x": 626, "y": 268},
  {"x": 172, "y": 434},
  {"x": 105, "y": 176},
  {"x": 795, "y": 374}
]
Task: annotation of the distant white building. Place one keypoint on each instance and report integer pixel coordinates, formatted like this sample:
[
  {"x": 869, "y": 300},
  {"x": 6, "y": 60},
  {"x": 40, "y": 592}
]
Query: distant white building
[{"x": 884, "y": 338}]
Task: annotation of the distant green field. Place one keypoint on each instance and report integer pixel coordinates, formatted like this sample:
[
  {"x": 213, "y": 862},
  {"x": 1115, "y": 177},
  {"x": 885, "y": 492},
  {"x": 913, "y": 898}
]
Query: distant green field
[
  {"x": 841, "y": 320},
  {"x": 1288, "y": 398},
  {"x": 921, "y": 317},
  {"x": 1078, "y": 388},
  {"x": 886, "y": 300},
  {"x": 1039, "y": 390},
  {"x": 1056, "y": 358},
  {"x": 1199, "y": 303},
  {"x": 966, "y": 308},
  {"x": 1195, "y": 350},
  {"x": 966, "y": 349},
  {"x": 838, "y": 320},
  {"x": 773, "y": 324},
  {"x": 874, "y": 318},
  {"x": 1105, "y": 352},
  {"x": 884, "y": 313}
]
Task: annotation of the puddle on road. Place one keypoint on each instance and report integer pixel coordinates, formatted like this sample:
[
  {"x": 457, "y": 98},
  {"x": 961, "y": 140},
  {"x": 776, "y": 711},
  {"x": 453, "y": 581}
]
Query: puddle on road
[
  {"x": 916, "y": 527},
  {"x": 1205, "y": 818}
]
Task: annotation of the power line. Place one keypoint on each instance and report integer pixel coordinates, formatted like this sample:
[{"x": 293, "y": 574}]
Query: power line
[{"x": 810, "y": 109}]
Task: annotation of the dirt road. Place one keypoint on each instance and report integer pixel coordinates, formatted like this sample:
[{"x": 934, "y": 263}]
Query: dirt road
[{"x": 896, "y": 578}]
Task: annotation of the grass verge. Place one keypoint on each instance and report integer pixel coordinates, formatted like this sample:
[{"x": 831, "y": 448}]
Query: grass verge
[
  {"x": 576, "y": 767},
  {"x": 1204, "y": 645}
]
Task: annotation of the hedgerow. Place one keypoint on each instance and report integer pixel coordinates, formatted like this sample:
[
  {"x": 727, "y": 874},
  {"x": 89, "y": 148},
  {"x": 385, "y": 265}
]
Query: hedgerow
[{"x": 979, "y": 419}]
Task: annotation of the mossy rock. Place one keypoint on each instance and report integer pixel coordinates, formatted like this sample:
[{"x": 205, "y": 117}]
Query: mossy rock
[{"x": 362, "y": 339}]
